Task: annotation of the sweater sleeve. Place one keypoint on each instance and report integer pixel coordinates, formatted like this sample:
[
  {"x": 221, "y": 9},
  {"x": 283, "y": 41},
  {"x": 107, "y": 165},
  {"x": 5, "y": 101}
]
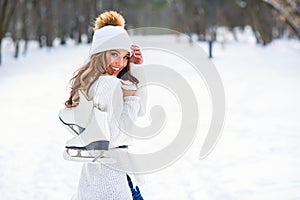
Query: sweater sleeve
[{"x": 122, "y": 111}]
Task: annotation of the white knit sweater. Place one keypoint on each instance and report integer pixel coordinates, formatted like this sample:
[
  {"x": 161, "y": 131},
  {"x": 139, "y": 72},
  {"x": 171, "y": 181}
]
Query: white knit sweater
[{"x": 97, "y": 181}]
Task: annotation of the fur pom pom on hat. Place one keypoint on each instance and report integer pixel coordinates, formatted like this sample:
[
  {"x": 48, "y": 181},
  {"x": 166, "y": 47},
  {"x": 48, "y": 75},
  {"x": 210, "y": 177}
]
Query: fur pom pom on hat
[
  {"x": 109, "y": 18},
  {"x": 109, "y": 33}
]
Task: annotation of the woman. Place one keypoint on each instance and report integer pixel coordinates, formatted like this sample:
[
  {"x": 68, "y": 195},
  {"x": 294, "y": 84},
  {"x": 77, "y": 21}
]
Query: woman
[{"x": 106, "y": 81}]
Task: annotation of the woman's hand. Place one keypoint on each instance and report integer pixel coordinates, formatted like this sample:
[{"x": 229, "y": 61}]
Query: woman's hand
[
  {"x": 137, "y": 57},
  {"x": 128, "y": 92}
]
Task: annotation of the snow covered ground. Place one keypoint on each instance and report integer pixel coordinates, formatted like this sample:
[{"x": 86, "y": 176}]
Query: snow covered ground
[{"x": 257, "y": 156}]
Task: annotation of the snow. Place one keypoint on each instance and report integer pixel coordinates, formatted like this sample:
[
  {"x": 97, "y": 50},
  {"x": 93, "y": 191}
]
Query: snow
[{"x": 257, "y": 156}]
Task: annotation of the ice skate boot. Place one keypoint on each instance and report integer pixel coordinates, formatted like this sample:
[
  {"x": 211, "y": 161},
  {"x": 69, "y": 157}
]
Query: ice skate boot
[
  {"x": 90, "y": 127},
  {"x": 92, "y": 145}
]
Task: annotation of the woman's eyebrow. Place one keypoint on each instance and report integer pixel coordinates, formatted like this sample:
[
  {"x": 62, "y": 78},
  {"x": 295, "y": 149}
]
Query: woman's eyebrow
[{"x": 127, "y": 54}]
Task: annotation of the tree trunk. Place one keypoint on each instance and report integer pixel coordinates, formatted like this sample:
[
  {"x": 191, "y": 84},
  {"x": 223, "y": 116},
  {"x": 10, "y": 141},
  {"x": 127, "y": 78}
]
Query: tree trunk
[
  {"x": 7, "y": 10},
  {"x": 254, "y": 7},
  {"x": 24, "y": 27},
  {"x": 63, "y": 23},
  {"x": 17, "y": 47},
  {"x": 0, "y": 52},
  {"x": 4, "y": 6},
  {"x": 181, "y": 17},
  {"x": 49, "y": 25},
  {"x": 38, "y": 18}
]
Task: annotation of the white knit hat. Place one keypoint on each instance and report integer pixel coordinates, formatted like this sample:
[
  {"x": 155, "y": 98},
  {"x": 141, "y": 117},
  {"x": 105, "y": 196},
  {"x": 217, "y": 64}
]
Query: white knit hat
[{"x": 110, "y": 37}]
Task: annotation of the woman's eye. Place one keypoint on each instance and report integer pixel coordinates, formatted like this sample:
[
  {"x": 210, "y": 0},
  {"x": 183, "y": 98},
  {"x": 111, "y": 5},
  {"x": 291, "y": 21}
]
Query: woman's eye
[
  {"x": 115, "y": 54},
  {"x": 126, "y": 57}
]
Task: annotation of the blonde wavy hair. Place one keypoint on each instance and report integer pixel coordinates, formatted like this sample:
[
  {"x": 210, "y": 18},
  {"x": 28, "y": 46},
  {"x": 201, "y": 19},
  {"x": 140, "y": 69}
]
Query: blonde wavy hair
[{"x": 85, "y": 76}]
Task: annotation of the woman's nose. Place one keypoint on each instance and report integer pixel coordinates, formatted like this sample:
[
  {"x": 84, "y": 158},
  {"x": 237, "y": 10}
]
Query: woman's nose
[{"x": 120, "y": 61}]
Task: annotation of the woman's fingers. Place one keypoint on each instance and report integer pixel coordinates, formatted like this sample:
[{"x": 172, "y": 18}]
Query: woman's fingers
[
  {"x": 137, "y": 53},
  {"x": 136, "y": 57}
]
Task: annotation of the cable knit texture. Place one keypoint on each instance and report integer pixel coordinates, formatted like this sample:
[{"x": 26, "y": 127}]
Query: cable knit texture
[{"x": 97, "y": 181}]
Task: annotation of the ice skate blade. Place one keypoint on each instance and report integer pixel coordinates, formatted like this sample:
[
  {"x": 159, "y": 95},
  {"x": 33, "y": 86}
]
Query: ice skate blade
[
  {"x": 96, "y": 146},
  {"x": 88, "y": 159}
]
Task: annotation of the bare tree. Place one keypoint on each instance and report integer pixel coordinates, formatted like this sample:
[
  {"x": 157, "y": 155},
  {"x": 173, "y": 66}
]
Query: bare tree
[
  {"x": 18, "y": 27},
  {"x": 7, "y": 8},
  {"x": 50, "y": 17},
  {"x": 45, "y": 20},
  {"x": 263, "y": 31},
  {"x": 288, "y": 11}
]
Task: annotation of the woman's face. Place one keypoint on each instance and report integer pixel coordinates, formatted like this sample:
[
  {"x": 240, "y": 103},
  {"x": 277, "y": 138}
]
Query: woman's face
[{"x": 117, "y": 59}]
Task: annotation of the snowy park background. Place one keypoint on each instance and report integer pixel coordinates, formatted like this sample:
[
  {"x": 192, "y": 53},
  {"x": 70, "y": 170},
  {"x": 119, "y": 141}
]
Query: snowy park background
[{"x": 257, "y": 156}]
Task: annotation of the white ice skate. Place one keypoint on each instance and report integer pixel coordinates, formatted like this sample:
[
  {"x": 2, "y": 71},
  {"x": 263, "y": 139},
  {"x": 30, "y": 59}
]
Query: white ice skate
[{"x": 90, "y": 127}]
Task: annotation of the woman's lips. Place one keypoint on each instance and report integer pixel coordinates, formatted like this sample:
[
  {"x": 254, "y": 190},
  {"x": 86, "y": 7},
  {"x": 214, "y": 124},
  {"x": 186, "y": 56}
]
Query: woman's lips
[{"x": 116, "y": 68}]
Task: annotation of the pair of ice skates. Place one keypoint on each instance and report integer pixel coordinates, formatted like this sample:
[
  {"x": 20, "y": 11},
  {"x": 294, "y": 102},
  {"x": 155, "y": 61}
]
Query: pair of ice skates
[{"x": 90, "y": 127}]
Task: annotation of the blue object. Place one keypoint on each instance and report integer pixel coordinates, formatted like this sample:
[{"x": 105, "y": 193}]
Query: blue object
[{"x": 136, "y": 194}]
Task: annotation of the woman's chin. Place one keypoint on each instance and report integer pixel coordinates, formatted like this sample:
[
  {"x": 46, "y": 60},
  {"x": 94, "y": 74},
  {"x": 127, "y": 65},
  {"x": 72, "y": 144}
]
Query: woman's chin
[{"x": 115, "y": 73}]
